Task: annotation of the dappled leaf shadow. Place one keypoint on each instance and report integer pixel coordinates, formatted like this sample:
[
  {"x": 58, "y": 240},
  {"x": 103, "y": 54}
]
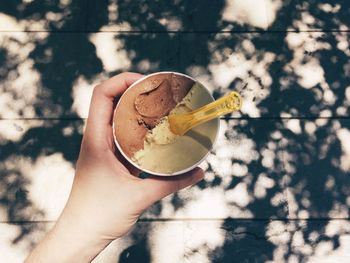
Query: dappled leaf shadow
[{"x": 298, "y": 83}]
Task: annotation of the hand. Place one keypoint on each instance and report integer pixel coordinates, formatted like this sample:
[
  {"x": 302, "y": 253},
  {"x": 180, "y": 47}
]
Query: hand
[{"x": 107, "y": 197}]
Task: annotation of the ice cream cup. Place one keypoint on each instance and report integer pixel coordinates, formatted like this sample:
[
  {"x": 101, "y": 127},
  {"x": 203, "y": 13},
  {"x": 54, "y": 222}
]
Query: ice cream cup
[{"x": 214, "y": 128}]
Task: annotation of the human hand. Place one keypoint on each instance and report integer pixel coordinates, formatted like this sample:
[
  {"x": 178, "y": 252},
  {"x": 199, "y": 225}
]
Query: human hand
[{"x": 107, "y": 197}]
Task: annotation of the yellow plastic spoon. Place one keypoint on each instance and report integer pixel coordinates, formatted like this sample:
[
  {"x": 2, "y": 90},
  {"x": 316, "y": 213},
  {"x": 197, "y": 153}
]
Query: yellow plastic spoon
[{"x": 181, "y": 123}]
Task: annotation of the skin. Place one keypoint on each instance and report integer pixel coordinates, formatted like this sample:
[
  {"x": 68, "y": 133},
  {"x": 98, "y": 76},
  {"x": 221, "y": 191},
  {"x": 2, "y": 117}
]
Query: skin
[{"x": 107, "y": 197}]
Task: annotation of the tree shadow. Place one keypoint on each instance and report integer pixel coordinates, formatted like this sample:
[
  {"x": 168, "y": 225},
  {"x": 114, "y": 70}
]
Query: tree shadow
[
  {"x": 300, "y": 168},
  {"x": 55, "y": 59},
  {"x": 136, "y": 253},
  {"x": 139, "y": 250}
]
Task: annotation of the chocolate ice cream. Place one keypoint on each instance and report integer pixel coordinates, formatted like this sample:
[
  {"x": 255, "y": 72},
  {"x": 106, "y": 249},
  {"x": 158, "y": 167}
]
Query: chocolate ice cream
[{"x": 143, "y": 106}]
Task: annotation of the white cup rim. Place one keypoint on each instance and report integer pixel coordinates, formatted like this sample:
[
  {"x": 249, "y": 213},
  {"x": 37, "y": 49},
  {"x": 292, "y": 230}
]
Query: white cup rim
[{"x": 158, "y": 173}]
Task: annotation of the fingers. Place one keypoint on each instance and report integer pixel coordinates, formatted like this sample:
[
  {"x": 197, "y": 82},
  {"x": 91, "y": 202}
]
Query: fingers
[
  {"x": 156, "y": 188},
  {"x": 101, "y": 106}
]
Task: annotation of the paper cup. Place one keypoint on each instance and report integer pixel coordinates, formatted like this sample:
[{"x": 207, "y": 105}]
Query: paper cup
[{"x": 212, "y": 126}]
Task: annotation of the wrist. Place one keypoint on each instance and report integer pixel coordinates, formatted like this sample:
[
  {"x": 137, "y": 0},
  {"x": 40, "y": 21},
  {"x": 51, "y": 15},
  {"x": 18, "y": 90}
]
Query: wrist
[{"x": 66, "y": 242}]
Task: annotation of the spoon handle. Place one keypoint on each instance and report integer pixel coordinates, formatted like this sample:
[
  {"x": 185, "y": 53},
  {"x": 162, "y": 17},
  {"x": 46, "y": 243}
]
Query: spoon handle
[{"x": 181, "y": 123}]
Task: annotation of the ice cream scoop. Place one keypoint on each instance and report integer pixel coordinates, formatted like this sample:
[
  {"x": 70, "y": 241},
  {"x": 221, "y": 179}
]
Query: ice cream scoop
[
  {"x": 141, "y": 129},
  {"x": 180, "y": 123}
]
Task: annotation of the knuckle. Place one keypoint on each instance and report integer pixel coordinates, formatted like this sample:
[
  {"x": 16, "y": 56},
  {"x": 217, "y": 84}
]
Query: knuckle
[
  {"x": 123, "y": 74},
  {"x": 97, "y": 89}
]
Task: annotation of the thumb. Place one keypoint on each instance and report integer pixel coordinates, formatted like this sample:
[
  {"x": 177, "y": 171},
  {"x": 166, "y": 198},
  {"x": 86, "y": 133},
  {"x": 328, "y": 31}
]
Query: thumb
[{"x": 155, "y": 187}]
